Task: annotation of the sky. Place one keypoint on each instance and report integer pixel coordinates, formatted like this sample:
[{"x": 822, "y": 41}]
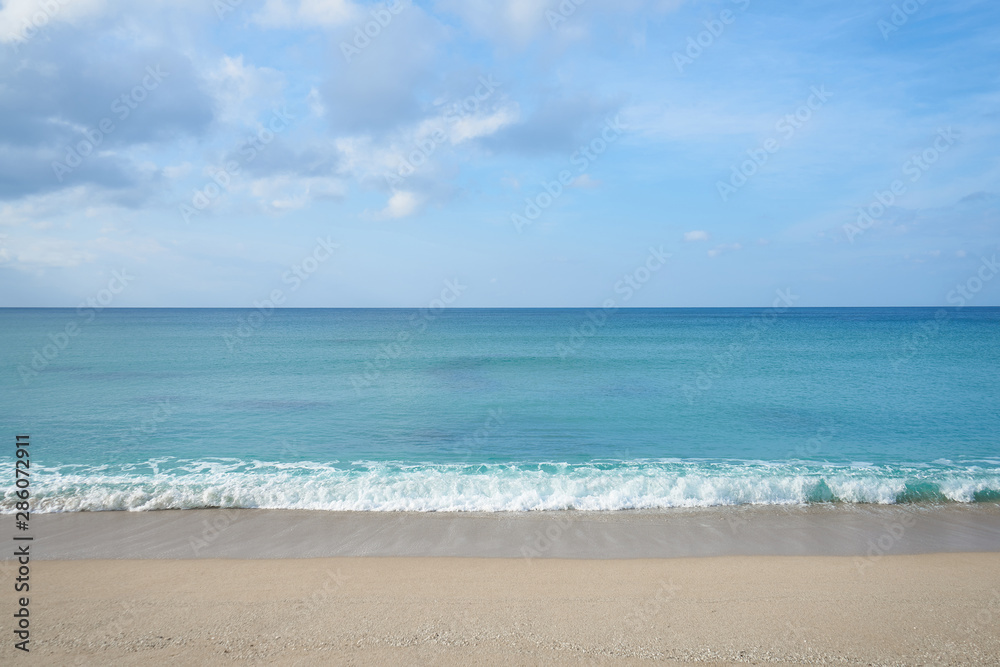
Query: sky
[{"x": 574, "y": 153}]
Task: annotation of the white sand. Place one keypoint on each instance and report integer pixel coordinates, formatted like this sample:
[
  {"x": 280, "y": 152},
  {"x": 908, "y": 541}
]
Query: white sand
[{"x": 941, "y": 609}]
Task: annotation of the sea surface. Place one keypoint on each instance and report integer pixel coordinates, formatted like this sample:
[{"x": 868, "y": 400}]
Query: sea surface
[{"x": 496, "y": 410}]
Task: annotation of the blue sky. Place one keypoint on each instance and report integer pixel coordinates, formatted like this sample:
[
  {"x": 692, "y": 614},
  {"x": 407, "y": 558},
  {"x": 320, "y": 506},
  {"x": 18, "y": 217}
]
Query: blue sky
[{"x": 532, "y": 151}]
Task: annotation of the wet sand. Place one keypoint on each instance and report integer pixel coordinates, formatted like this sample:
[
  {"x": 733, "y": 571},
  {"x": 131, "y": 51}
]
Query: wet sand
[{"x": 814, "y": 530}]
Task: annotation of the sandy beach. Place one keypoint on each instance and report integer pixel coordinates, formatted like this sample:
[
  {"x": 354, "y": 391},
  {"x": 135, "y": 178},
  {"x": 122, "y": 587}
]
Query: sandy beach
[
  {"x": 797, "y": 585},
  {"x": 925, "y": 609}
]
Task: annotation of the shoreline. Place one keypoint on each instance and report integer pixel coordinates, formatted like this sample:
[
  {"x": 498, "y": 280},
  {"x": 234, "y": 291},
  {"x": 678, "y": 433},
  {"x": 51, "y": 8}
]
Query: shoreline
[
  {"x": 923, "y": 609},
  {"x": 866, "y": 532}
]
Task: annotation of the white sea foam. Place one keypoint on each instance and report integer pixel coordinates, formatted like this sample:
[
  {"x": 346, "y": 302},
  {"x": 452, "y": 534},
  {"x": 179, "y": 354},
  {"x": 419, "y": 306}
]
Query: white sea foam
[{"x": 387, "y": 486}]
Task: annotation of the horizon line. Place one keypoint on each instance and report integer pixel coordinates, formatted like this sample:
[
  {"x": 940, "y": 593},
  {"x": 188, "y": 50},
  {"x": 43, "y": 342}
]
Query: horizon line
[{"x": 448, "y": 308}]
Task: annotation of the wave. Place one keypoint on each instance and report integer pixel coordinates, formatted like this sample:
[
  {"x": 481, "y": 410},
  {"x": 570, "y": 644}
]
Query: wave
[{"x": 166, "y": 483}]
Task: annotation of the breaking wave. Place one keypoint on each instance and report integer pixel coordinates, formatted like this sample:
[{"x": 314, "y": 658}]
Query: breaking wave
[{"x": 393, "y": 486}]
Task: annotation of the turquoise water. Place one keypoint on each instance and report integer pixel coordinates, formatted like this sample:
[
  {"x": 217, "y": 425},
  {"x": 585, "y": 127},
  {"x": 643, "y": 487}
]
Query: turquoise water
[{"x": 501, "y": 409}]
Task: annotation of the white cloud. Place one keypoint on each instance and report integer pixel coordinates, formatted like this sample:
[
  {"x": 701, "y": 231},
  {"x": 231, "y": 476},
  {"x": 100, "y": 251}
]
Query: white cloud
[
  {"x": 365, "y": 159},
  {"x": 243, "y": 91},
  {"x": 49, "y": 205},
  {"x": 514, "y": 21},
  {"x": 481, "y": 125},
  {"x": 420, "y": 148},
  {"x": 37, "y": 253},
  {"x": 315, "y": 101},
  {"x": 401, "y": 205},
  {"x": 306, "y": 13},
  {"x": 585, "y": 182},
  {"x": 23, "y": 19},
  {"x": 177, "y": 172},
  {"x": 697, "y": 235},
  {"x": 724, "y": 247},
  {"x": 288, "y": 193},
  {"x": 33, "y": 254}
]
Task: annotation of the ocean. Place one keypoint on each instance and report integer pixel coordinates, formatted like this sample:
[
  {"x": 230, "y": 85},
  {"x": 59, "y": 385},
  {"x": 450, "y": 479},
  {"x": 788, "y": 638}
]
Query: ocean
[{"x": 501, "y": 409}]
